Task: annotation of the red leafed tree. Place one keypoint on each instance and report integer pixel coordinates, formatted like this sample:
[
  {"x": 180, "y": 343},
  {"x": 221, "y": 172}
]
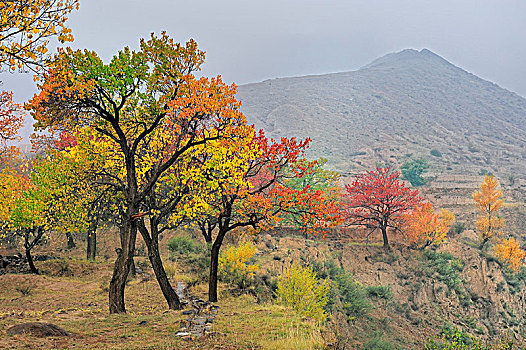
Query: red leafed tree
[
  {"x": 10, "y": 122},
  {"x": 379, "y": 200}
]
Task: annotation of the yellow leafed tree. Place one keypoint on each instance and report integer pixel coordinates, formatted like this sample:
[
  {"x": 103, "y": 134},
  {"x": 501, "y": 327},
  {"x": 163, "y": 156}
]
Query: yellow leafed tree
[
  {"x": 488, "y": 201},
  {"x": 510, "y": 252}
]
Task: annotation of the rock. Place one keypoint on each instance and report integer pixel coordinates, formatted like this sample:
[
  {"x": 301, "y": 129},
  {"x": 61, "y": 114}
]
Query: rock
[
  {"x": 4, "y": 263},
  {"x": 182, "y": 334},
  {"x": 188, "y": 312},
  {"x": 38, "y": 329}
]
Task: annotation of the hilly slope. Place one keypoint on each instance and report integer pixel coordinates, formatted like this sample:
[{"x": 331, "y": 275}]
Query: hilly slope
[{"x": 403, "y": 104}]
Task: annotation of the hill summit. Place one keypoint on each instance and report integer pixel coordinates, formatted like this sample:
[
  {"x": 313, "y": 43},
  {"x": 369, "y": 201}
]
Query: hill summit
[{"x": 409, "y": 103}]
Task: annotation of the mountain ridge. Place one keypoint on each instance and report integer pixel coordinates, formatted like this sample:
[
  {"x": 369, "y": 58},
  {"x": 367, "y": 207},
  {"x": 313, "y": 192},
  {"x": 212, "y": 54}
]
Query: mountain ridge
[{"x": 409, "y": 102}]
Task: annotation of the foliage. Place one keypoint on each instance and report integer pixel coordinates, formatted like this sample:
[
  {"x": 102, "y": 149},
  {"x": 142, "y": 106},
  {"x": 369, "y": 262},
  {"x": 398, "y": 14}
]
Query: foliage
[
  {"x": 448, "y": 269},
  {"x": 299, "y": 288},
  {"x": 325, "y": 190},
  {"x": 380, "y": 292},
  {"x": 488, "y": 201},
  {"x": 10, "y": 123},
  {"x": 234, "y": 267},
  {"x": 151, "y": 124},
  {"x": 453, "y": 338},
  {"x": 436, "y": 153},
  {"x": 378, "y": 199},
  {"x": 413, "y": 169},
  {"x": 346, "y": 294},
  {"x": 378, "y": 343},
  {"x": 510, "y": 252},
  {"x": 183, "y": 245},
  {"x": 423, "y": 227},
  {"x": 26, "y": 28}
]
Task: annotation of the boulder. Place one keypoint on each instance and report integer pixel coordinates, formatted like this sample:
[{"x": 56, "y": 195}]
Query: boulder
[{"x": 38, "y": 329}]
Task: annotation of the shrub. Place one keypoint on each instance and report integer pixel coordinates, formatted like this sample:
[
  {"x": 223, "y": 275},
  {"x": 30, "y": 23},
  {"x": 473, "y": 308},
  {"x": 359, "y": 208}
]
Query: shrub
[
  {"x": 233, "y": 267},
  {"x": 380, "y": 292},
  {"x": 436, "y": 153},
  {"x": 183, "y": 245},
  {"x": 377, "y": 343},
  {"x": 195, "y": 257},
  {"x": 299, "y": 288},
  {"x": 346, "y": 294}
]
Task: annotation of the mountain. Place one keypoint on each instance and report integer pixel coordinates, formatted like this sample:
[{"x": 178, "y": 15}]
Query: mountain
[{"x": 406, "y": 104}]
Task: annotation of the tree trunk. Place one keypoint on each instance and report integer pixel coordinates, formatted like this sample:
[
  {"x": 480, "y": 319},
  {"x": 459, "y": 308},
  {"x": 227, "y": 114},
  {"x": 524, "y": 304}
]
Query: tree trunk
[
  {"x": 91, "y": 249},
  {"x": 30, "y": 261},
  {"x": 214, "y": 262},
  {"x": 71, "y": 243},
  {"x": 29, "y": 245},
  {"x": 152, "y": 244},
  {"x": 122, "y": 266},
  {"x": 384, "y": 236},
  {"x": 169, "y": 293}
]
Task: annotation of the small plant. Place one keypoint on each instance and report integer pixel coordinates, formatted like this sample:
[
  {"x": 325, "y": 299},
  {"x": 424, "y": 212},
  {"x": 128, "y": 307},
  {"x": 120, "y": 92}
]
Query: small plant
[
  {"x": 25, "y": 290},
  {"x": 299, "y": 288}
]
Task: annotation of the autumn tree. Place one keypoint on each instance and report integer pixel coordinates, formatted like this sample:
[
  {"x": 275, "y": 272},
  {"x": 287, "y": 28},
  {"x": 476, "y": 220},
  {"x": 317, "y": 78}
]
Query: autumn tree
[
  {"x": 379, "y": 200},
  {"x": 488, "y": 201},
  {"x": 10, "y": 122},
  {"x": 26, "y": 28},
  {"x": 510, "y": 252},
  {"x": 424, "y": 227},
  {"x": 144, "y": 112},
  {"x": 25, "y": 31},
  {"x": 259, "y": 198},
  {"x": 325, "y": 189}
]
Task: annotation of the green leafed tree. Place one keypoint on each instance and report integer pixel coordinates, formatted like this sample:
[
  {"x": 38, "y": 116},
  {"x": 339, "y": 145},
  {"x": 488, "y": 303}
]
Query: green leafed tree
[{"x": 413, "y": 169}]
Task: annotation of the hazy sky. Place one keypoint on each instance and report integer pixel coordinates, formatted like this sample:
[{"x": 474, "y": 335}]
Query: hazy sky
[{"x": 249, "y": 41}]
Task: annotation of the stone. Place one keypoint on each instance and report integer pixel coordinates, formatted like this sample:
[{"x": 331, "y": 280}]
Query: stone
[
  {"x": 182, "y": 334},
  {"x": 188, "y": 312},
  {"x": 38, "y": 329}
]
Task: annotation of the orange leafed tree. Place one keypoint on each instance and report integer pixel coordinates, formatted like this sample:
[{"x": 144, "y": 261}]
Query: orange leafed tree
[
  {"x": 488, "y": 201},
  {"x": 424, "y": 227},
  {"x": 510, "y": 252}
]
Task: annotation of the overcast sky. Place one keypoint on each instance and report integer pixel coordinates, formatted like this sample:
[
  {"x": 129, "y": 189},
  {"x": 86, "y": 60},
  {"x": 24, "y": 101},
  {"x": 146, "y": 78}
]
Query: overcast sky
[{"x": 250, "y": 41}]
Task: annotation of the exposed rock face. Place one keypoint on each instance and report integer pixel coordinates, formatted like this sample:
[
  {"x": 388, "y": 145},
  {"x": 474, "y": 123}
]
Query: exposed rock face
[{"x": 38, "y": 329}]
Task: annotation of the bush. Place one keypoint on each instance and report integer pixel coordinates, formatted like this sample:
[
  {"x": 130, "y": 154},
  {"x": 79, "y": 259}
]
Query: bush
[
  {"x": 380, "y": 292},
  {"x": 436, "y": 153},
  {"x": 183, "y": 245},
  {"x": 448, "y": 269},
  {"x": 346, "y": 295},
  {"x": 233, "y": 267},
  {"x": 377, "y": 343},
  {"x": 457, "y": 228},
  {"x": 299, "y": 288},
  {"x": 453, "y": 338},
  {"x": 196, "y": 257}
]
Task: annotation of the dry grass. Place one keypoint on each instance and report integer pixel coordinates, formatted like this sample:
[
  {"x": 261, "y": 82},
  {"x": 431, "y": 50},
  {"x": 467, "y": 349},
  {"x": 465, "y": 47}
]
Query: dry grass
[{"x": 73, "y": 295}]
